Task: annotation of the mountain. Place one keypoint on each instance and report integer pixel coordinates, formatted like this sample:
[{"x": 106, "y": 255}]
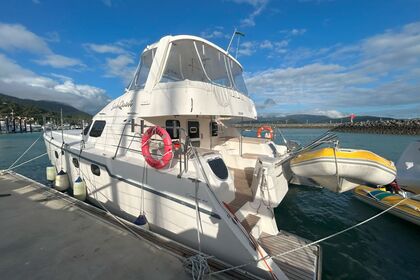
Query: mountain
[{"x": 39, "y": 108}]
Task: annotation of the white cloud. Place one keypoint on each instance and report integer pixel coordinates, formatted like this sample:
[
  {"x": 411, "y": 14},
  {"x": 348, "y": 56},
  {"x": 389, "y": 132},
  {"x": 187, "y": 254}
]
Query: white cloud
[
  {"x": 122, "y": 66},
  {"x": 105, "y": 48},
  {"x": 23, "y": 83},
  {"x": 258, "y": 5},
  {"x": 16, "y": 37},
  {"x": 329, "y": 113},
  {"x": 293, "y": 31},
  {"x": 214, "y": 33},
  {"x": 107, "y": 3},
  {"x": 59, "y": 61},
  {"x": 379, "y": 71},
  {"x": 266, "y": 44},
  {"x": 247, "y": 48}
]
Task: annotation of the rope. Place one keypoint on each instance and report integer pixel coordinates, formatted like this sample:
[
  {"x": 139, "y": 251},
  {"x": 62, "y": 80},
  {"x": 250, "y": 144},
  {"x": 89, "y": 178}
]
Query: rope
[
  {"x": 28, "y": 161},
  {"x": 24, "y": 153},
  {"x": 198, "y": 266},
  {"x": 315, "y": 242}
]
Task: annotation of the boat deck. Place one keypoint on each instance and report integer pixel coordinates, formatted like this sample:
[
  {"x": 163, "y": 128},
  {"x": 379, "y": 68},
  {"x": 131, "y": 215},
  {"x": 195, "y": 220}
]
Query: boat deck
[
  {"x": 49, "y": 235},
  {"x": 303, "y": 264}
]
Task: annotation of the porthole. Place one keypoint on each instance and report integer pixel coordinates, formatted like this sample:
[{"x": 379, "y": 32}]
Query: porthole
[
  {"x": 75, "y": 162},
  {"x": 95, "y": 170},
  {"x": 56, "y": 154}
]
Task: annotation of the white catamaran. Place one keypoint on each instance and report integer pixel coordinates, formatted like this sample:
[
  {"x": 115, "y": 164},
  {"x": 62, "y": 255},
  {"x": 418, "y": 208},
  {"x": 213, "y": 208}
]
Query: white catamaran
[{"x": 169, "y": 144}]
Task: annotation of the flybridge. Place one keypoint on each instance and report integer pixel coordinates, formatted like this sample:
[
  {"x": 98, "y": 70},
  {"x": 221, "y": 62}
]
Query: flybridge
[
  {"x": 187, "y": 75},
  {"x": 191, "y": 58}
]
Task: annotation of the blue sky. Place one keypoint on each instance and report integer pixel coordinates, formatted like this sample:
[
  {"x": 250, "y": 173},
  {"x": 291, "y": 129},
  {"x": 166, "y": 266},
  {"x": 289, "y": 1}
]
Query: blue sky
[{"x": 300, "y": 56}]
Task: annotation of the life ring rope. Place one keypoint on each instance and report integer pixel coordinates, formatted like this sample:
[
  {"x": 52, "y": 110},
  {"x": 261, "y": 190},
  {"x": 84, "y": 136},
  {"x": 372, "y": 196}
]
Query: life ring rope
[{"x": 167, "y": 145}]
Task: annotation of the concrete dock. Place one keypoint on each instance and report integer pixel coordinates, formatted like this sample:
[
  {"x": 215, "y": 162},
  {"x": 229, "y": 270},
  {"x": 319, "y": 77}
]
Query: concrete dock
[{"x": 47, "y": 235}]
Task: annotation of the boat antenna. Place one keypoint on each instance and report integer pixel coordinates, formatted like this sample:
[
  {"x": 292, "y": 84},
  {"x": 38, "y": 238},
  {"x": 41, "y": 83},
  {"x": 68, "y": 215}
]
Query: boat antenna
[{"x": 235, "y": 32}]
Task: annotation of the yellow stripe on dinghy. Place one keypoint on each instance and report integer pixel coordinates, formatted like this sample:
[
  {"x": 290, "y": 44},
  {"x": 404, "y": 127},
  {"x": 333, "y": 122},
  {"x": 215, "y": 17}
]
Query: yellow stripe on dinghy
[
  {"x": 409, "y": 205},
  {"x": 345, "y": 154}
]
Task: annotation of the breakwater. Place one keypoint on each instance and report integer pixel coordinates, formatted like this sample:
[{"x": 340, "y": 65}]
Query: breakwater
[
  {"x": 399, "y": 127},
  {"x": 255, "y": 126}
]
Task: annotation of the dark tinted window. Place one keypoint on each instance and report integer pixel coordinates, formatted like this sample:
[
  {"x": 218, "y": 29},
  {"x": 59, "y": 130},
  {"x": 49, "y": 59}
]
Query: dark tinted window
[
  {"x": 95, "y": 169},
  {"x": 193, "y": 129},
  {"x": 219, "y": 168},
  {"x": 75, "y": 162},
  {"x": 97, "y": 128},
  {"x": 214, "y": 128},
  {"x": 172, "y": 126},
  {"x": 56, "y": 154},
  {"x": 86, "y": 130}
]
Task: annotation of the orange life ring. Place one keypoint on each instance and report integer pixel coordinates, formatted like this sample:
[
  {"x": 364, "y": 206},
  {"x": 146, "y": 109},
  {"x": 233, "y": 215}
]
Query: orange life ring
[
  {"x": 265, "y": 128},
  {"x": 145, "y": 148}
]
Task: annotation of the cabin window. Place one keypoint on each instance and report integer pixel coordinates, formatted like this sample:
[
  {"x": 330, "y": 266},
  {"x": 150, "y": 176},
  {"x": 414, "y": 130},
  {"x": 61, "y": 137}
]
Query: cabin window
[
  {"x": 75, "y": 162},
  {"x": 95, "y": 170},
  {"x": 183, "y": 63},
  {"x": 56, "y": 154},
  {"x": 238, "y": 79},
  {"x": 86, "y": 129},
  {"x": 219, "y": 168},
  {"x": 142, "y": 73},
  {"x": 194, "y": 129},
  {"x": 214, "y": 63},
  {"x": 197, "y": 61},
  {"x": 214, "y": 128},
  {"x": 97, "y": 128},
  {"x": 172, "y": 127}
]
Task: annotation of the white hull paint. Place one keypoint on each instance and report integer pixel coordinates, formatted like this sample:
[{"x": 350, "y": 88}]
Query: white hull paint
[
  {"x": 344, "y": 174},
  {"x": 169, "y": 205}
]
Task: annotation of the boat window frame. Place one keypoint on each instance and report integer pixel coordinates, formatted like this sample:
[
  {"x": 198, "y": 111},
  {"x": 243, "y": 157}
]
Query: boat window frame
[
  {"x": 171, "y": 129},
  {"x": 133, "y": 84},
  {"x": 86, "y": 129},
  {"x": 227, "y": 60},
  {"x": 95, "y": 132}
]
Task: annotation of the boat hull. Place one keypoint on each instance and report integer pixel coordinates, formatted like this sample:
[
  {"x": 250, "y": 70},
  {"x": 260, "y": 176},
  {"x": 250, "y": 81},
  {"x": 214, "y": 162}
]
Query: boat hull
[
  {"x": 342, "y": 170},
  {"x": 406, "y": 210},
  {"x": 167, "y": 201}
]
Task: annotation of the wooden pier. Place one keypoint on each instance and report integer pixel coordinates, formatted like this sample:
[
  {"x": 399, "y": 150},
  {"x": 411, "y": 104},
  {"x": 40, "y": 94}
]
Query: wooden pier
[{"x": 47, "y": 234}]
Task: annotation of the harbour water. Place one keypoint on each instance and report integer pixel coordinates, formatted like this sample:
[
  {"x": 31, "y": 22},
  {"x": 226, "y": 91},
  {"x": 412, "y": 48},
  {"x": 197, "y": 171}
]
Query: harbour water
[{"x": 385, "y": 248}]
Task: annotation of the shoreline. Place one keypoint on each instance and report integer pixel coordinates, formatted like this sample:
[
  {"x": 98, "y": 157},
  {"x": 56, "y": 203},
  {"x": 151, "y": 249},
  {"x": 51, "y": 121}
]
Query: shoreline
[{"x": 390, "y": 127}]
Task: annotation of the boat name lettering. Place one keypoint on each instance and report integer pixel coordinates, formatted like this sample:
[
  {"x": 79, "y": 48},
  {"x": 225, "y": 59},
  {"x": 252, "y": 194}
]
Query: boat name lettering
[{"x": 122, "y": 103}]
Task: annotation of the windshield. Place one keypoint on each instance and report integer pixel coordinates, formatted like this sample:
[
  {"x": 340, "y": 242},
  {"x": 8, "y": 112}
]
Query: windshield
[
  {"x": 143, "y": 71},
  {"x": 197, "y": 61}
]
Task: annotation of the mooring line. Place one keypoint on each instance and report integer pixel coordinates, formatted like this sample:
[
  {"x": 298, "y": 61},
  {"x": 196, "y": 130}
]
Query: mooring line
[
  {"x": 25, "y": 162},
  {"x": 24, "y": 153},
  {"x": 318, "y": 241}
]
